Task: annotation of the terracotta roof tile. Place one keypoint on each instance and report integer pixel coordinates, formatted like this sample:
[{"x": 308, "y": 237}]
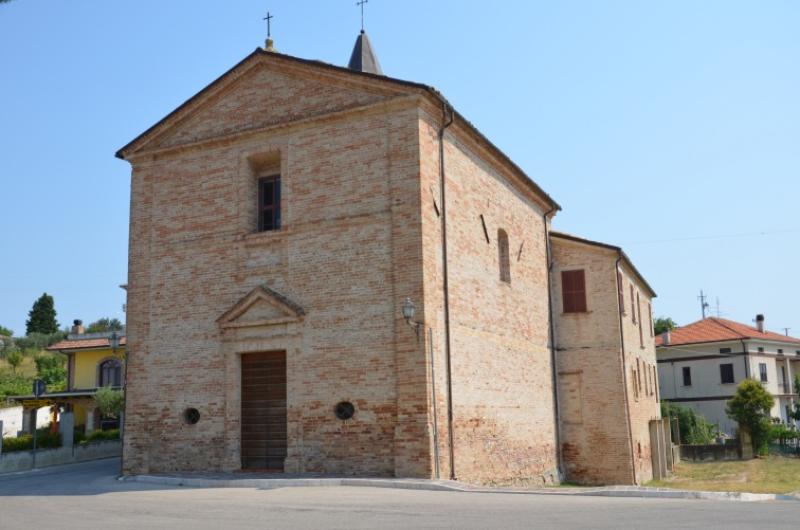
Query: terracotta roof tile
[
  {"x": 714, "y": 329},
  {"x": 77, "y": 344}
]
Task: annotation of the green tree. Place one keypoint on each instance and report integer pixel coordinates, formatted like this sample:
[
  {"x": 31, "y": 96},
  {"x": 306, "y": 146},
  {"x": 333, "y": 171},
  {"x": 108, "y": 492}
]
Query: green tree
[
  {"x": 42, "y": 316},
  {"x": 14, "y": 358},
  {"x": 694, "y": 428},
  {"x": 104, "y": 324},
  {"x": 110, "y": 402},
  {"x": 663, "y": 324},
  {"x": 750, "y": 407},
  {"x": 52, "y": 369},
  {"x": 4, "y": 331}
]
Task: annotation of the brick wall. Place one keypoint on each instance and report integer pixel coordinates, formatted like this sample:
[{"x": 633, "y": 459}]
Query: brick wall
[
  {"x": 600, "y": 443},
  {"x": 502, "y": 379},
  {"x": 348, "y": 252}
]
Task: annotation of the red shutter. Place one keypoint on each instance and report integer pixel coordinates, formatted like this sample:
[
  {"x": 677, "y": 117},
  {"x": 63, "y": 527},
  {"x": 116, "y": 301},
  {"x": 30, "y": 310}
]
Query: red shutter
[{"x": 573, "y": 291}]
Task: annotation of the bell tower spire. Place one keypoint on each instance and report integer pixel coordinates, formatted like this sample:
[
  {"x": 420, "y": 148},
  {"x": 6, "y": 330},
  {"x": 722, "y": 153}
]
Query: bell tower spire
[{"x": 363, "y": 58}]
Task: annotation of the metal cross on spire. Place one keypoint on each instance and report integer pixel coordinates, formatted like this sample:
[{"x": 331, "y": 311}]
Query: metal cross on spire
[
  {"x": 361, "y": 3},
  {"x": 269, "y": 18}
]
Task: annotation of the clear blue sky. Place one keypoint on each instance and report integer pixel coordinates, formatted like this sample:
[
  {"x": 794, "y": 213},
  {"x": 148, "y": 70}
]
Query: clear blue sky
[{"x": 658, "y": 126}]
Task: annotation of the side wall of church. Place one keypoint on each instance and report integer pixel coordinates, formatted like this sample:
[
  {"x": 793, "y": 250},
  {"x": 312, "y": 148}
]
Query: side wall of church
[{"x": 502, "y": 395}]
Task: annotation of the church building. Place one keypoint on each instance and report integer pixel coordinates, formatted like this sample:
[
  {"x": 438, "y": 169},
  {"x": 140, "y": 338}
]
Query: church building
[{"x": 332, "y": 271}]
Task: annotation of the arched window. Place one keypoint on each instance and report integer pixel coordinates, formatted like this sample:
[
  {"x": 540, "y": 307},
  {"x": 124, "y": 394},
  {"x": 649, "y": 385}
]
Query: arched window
[
  {"x": 505, "y": 260},
  {"x": 110, "y": 373}
]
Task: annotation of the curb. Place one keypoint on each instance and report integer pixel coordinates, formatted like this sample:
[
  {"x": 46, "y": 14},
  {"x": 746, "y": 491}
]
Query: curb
[{"x": 445, "y": 485}]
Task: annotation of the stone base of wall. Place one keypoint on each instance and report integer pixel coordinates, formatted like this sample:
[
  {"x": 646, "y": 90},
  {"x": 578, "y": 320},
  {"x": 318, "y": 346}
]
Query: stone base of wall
[
  {"x": 24, "y": 460},
  {"x": 706, "y": 453}
]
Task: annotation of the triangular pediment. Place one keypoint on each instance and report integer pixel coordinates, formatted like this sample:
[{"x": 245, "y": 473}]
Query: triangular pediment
[
  {"x": 261, "y": 307},
  {"x": 263, "y": 90}
]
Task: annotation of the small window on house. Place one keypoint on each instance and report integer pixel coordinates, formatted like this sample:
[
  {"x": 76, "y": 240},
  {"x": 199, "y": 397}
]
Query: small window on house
[
  {"x": 726, "y": 373},
  {"x": 269, "y": 203},
  {"x": 110, "y": 373},
  {"x": 725, "y": 350},
  {"x": 650, "y": 316},
  {"x": 620, "y": 293},
  {"x": 687, "y": 376},
  {"x": 505, "y": 260},
  {"x": 633, "y": 308},
  {"x": 780, "y": 351},
  {"x": 760, "y": 349},
  {"x": 573, "y": 291},
  {"x": 633, "y": 382},
  {"x": 762, "y": 372}
]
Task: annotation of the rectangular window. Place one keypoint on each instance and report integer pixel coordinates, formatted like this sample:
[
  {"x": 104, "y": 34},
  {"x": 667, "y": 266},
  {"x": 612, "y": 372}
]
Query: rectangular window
[
  {"x": 687, "y": 376},
  {"x": 762, "y": 372},
  {"x": 269, "y": 203},
  {"x": 780, "y": 351},
  {"x": 573, "y": 291},
  {"x": 650, "y": 315},
  {"x": 760, "y": 349},
  {"x": 633, "y": 309},
  {"x": 620, "y": 293},
  {"x": 633, "y": 381},
  {"x": 725, "y": 350},
  {"x": 726, "y": 373}
]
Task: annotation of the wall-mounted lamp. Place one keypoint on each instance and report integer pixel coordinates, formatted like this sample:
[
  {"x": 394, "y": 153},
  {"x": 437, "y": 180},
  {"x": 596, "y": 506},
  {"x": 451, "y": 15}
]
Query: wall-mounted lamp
[{"x": 408, "y": 314}]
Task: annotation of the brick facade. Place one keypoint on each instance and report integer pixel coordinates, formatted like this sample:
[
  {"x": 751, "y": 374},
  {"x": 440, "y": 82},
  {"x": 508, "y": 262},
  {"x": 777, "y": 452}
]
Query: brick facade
[
  {"x": 358, "y": 157},
  {"x": 604, "y": 419}
]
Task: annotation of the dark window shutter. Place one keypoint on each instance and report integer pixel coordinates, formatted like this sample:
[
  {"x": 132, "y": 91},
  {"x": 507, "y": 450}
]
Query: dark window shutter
[{"x": 573, "y": 290}]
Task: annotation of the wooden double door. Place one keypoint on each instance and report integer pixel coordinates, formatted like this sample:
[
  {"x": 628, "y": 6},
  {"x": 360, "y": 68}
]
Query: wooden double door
[{"x": 264, "y": 411}]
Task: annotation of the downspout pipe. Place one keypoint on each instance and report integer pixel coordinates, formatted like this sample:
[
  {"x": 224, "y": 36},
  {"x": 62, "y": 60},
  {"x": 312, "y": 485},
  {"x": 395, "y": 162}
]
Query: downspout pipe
[
  {"x": 552, "y": 342},
  {"x": 447, "y": 121},
  {"x": 625, "y": 371},
  {"x": 746, "y": 360}
]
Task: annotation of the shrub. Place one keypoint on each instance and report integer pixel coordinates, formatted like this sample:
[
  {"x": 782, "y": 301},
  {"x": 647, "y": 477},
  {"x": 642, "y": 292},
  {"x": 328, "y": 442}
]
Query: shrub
[
  {"x": 101, "y": 436},
  {"x": 12, "y": 384},
  {"x": 782, "y": 433},
  {"x": 44, "y": 440},
  {"x": 750, "y": 407},
  {"x": 694, "y": 428}
]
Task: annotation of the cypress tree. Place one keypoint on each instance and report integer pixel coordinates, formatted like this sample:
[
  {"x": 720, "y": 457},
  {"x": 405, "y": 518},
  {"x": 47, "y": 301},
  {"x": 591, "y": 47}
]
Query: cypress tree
[{"x": 42, "y": 316}]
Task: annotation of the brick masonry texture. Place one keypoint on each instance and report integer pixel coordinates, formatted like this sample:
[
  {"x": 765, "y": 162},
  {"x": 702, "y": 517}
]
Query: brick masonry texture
[
  {"x": 361, "y": 231},
  {"x": 601, "y": 443}
]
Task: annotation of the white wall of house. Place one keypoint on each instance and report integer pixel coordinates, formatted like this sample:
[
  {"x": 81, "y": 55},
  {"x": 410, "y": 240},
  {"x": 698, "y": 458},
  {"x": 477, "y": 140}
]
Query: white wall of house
[{"x": 12, "y": 419}]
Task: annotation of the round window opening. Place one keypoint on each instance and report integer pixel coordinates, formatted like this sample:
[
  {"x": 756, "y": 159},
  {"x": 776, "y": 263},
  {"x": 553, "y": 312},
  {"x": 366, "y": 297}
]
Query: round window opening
[
  {"x": 191, "y": 415},
  {"x": 344, "y": 410}
]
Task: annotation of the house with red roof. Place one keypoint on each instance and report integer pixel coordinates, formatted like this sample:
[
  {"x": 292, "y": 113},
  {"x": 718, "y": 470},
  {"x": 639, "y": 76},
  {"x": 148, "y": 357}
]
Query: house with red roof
[{"x": 701, "y": 364}]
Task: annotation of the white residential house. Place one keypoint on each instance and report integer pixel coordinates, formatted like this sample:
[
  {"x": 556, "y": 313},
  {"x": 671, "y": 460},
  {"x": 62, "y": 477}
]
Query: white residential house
[{"x": 701, "y": 364}]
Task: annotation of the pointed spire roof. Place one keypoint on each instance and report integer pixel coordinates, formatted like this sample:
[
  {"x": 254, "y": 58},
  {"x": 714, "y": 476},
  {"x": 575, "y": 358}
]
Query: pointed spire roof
[{"x": 364, "y": 58}]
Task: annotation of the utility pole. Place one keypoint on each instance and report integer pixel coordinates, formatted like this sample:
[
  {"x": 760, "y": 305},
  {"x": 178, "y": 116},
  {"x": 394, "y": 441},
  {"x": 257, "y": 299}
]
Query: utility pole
[
  {"x": 703, "y": 303},
  {"x": 786, "y": 331}
]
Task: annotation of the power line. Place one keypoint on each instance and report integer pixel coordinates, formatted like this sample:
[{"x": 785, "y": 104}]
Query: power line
[{"x": 718, "y": 236}]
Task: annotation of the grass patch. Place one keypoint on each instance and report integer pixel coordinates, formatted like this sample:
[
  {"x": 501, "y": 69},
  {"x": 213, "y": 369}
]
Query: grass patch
[{"x": 774, "y": 474}]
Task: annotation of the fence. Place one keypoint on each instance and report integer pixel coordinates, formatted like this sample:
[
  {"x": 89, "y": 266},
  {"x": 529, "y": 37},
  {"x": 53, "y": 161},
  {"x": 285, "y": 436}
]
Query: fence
[{"x": 68, "y": 453}]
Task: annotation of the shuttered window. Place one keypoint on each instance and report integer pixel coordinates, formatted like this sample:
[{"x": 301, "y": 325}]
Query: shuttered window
[
  {"x": 573, "y": 290},
  {"x": 633, "y": 307},
  {"x": 620, "y": 293},
  {"x": 726, "y": 373}
]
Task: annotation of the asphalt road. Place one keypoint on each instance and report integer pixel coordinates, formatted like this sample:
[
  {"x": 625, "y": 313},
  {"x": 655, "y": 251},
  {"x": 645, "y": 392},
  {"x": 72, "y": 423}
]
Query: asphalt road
[{"x": 86, "y": 496}]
